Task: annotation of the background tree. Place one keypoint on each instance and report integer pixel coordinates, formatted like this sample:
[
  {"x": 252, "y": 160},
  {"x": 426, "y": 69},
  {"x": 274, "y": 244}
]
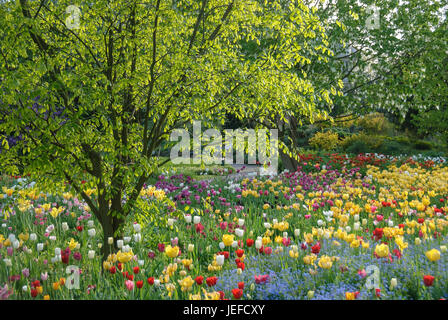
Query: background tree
[{"x": 95, "y": 102}]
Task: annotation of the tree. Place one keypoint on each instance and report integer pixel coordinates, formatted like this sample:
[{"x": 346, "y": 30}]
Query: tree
[
  {"x": 377, "y": 45},
  {"x": 94, "y": 101}
]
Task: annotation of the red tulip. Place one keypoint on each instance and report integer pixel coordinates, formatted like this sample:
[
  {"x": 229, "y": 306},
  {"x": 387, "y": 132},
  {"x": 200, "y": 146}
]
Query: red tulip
[
  {"x": 113, "y": 270},
  {"x": 136, "y": 270},
  {"x": 241, "y": 285},
  {"x": 151, "y": 280},
  {"x": 199, "y": 280},
  {"x": 428, "y": 280},
  {"x": 139, "y": 284},
  {"x": 211, "y": 281},
  {"x": 237, "y": 293},
  {"x": 239, "y": 252},
  {"x": 250, "y": 242}
]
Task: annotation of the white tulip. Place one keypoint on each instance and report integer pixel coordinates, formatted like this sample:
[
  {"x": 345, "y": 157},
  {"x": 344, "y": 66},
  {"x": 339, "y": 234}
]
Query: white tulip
[
  {"x": 364, "y": 222},
  {"x": 274, "y": 221},
  {"x": 16, "y": 244},
  {"x": 52, "y": 238},
  {"x": 241, "y": 222},
  {"x": 267, "y": 225},
  {"x": 356, "y": 226},
  {"x": 137, "y": 228},
  {"x": 127, "y": 239},
  {"x": 65, "y": 226},
  {"x": 220, "y": 259},
  {"x": 91, "y": 232},
  {"x": 196, "y": 219},
  {"x": 7, "y": 262},
  {"x": 297, "y": 232},
  {"x": 170, "y": 222},
  {"x": 348, "y": 229},
  {"x": 258, "y": 244},
  {"x": 40, "y": 246},
  {"x": 12, "y": 237},
  {"x": 120, "y": 244},
  {"x": 393, "y": 283},
  {"x": 390, "y": 223},
  {"x": 356, "y": 217},
  {"x": 320, "y": 223},
  {"x": 91, "y": 254},
  {"x": 234, "y": 244},
  {"x": 110, "y": 240},
  {"x": 57, "y": 251},
  {"x": 222, "y": 245},
  {"x": 187, "y": 218},
  {"x": 190, "y": 247},
  {"x": 90, "y": 223},
  {"x": 33, "y": 237},
  {"x": 239, "y": 232},
  {"x": 137, "y": 237}
]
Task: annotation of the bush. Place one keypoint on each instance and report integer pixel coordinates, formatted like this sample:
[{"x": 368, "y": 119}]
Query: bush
[
  {"x": 324, "y": 140},
  {"x": 376, "y": 123},
  {"x": 370, "y": 142},
  {"x": 423, "y": 145}
]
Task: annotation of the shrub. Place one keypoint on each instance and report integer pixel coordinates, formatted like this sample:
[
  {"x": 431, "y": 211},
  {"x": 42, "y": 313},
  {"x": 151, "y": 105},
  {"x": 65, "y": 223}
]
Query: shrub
[
  {"x": 423, "y": 145},
  {"x": 324, "y": 140},
  {"x": 376, "y": 123},
  {"x": 370, "y": 142}
]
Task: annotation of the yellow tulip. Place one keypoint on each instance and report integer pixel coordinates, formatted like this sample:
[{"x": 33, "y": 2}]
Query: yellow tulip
[
  {"x": 382, "y": 250},
  {"x": 227, "y": 239},
  {"x": 433, "y": 255},
  {"x": 172, "y": 252}
]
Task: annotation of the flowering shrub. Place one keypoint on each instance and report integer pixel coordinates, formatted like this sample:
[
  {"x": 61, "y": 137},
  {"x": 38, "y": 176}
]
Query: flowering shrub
[{"x": 324, "y": 140}]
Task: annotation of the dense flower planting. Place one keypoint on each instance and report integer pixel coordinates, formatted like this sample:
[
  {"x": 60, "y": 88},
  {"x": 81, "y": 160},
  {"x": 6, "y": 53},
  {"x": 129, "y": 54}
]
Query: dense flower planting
[{"x": 364, "y": 227}]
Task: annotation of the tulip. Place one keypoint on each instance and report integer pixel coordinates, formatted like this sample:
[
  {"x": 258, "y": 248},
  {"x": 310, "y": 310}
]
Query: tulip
[
  {"x": 241, "y": 222},
  {"x": 220, "y": 260},
  {"x": 190, "y": 247},
  {"x": 65, "y": 226},
  {"x": 393, "y": 283},
  {"x": 40, "y": 246},
  {"x": 110, "y": 240},
  {"x": 137, "y": 228},
  {"x": 90, "y": 223},
  {"x": 310, "y": 294},
  {"x": 91, "y": 254},
  {"x": 170, "y": 222},
  {"x": 137, "y": 237},
  {"x": 120, "y": 244},
  {"x": 33, "y": 237},
  {"x": 196, "y": 219},
  {"x": 433, "y": 255},
  {"x": 297, "y": 233},
  {"x": 187, "y": 218},
  {"x": 91, "y": 232},
  {"x": 127, "y": 239}
]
